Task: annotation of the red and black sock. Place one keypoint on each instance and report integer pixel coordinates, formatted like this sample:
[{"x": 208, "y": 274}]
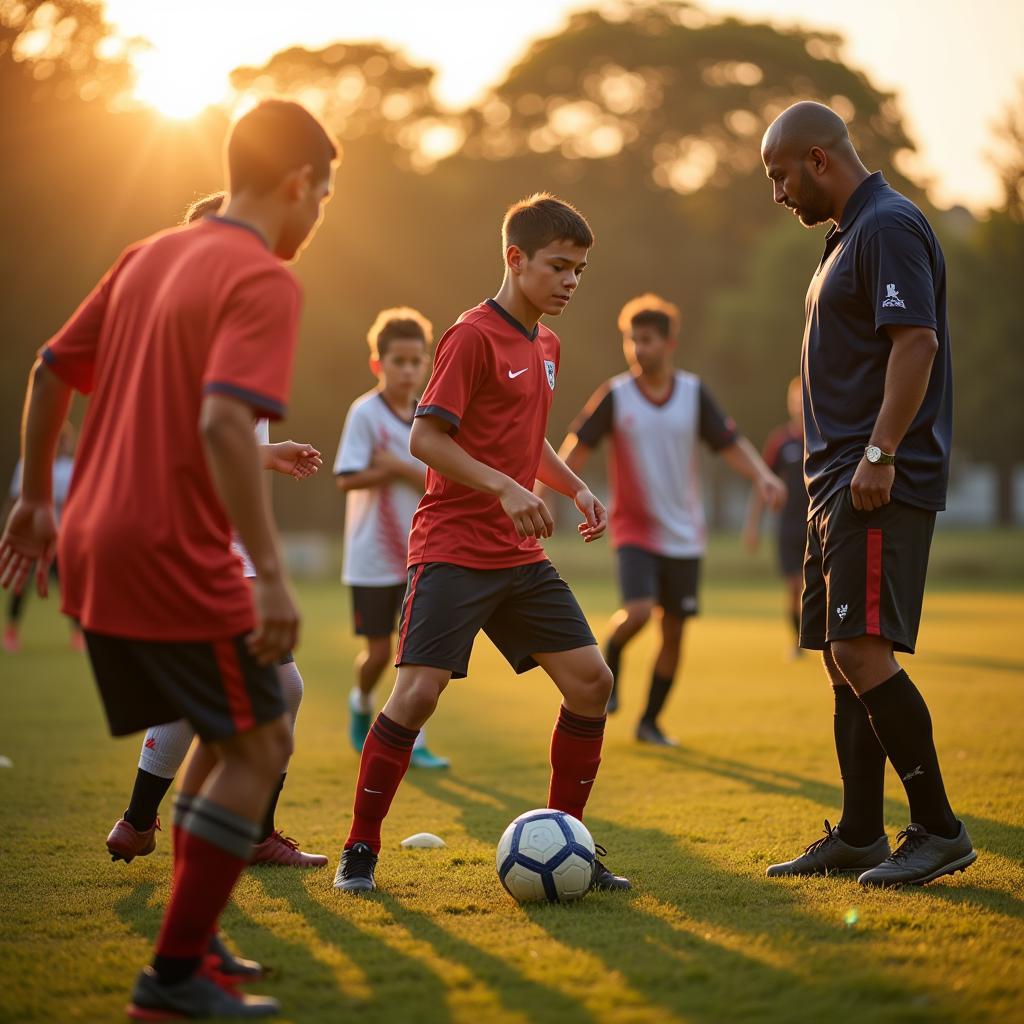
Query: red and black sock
[
  {"x": 575, "y": 757},
  {"x": 384, "y": 762},
  {"x": 212, "y": 846}
]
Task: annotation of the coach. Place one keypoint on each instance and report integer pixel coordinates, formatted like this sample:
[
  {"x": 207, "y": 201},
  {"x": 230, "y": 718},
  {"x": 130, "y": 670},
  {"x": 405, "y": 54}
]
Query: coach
[{"x": 877, "y": 396}]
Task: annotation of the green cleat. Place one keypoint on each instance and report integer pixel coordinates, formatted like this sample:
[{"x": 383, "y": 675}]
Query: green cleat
[
  {"x": 423, "y": 758},
  {"x": 359, "y": 723}
]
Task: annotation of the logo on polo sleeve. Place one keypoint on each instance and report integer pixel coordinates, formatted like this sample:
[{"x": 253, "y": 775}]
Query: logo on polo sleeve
[
  {"x": 892, "y": 298},
  {"x": 549, "y": 369}
]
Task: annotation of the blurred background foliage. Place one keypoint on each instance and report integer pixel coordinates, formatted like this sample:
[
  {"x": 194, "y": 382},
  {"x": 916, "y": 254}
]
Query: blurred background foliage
[{"x": 649, "y": 121}]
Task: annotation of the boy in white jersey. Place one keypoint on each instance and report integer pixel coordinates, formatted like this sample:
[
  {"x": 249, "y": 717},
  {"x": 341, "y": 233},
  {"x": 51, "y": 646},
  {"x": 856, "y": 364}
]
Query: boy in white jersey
[
  {"x": 165, "y": 747},
  {"x": 655, "y": 416},
  {"x": 383, "y": 484}
]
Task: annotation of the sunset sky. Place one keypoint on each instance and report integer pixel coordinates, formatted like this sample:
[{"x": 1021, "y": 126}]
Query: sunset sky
[{"x": 954, "y": 64}]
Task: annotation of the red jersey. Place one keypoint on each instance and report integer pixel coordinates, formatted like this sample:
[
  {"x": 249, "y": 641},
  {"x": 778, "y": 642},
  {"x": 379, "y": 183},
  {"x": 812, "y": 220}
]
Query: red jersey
[
  {"x": 493, "y": 381},
  {"x": 145, "y": 543}
]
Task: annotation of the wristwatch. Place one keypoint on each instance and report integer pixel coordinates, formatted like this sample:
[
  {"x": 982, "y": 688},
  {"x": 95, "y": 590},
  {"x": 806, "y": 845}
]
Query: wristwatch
[{"x": 877, "y": 457}]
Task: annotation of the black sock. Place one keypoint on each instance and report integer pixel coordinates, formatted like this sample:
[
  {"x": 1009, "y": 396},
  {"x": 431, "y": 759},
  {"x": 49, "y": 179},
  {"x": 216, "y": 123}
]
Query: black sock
[
  {"x": 172, "y": 969},
  {"x": 903, "y": 726},
  {"x": 268, "y": 819},
  {"x": 612, "y": 657},
  {"x": 147, "y": 793},
  {"x": 862, "y": 767},
  {"x": 656, "y": 696}
]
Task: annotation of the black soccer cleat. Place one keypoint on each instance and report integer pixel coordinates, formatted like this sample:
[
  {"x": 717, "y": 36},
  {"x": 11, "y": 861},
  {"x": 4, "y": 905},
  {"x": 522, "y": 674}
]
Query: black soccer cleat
[
  {"x": 237, "y": 968},
  {"x": 921, "y": 858},
  {"x": 603, "y": 879},
  {"x": 355, "y": 872},
  {"x": 649, "y": 732},
  {"x": 204, "y": 994},
  {"x": 830, "y": 855}
]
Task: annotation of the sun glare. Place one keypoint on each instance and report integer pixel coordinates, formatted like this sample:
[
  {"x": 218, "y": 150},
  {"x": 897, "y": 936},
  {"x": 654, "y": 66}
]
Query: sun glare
[{"x": 177, "y": 91}]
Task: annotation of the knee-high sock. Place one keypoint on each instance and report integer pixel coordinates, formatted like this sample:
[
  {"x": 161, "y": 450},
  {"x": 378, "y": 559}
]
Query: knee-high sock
[
  {"x": 382, "y": 766},
  {"x": 862, "y": 767},
  {"x": 575, "y": 757},
  {"x": 213, "y": 846},
  {"x": 268, "y": 827},
  {"x": 657, "y": 695},
  {"x": 163, "y": 751},
  {"x": 903, "y": 726}
]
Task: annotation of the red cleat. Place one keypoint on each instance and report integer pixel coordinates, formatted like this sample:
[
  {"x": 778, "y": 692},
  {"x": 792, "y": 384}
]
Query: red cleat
[
  {"x": 284, "y": 851},
  {"x": 126, "y": 843},
  {"x": 12, "y": 642}
]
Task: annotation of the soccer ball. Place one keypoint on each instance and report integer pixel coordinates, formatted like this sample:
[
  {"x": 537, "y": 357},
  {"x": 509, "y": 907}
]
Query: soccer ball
[{"x": 546, "y": 855}]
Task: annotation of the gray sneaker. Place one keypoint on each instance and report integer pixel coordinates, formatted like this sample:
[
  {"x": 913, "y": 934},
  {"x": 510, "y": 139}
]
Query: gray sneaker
[
  {"x": 831, "y": 856},
  {"x": 355, "y": 871},
  {"x": 921, "y": 858},
  {"x": 649, "y": 732},
  {"x": 203, "y": 995}
]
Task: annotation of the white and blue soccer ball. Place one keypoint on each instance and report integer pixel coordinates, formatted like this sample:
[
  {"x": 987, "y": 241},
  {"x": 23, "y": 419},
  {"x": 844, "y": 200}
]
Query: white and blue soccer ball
[{"x": 546, "y": 855}]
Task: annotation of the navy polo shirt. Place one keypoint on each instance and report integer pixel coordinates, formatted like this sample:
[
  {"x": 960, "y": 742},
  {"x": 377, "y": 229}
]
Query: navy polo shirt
[{"x": 882, "y": 266}]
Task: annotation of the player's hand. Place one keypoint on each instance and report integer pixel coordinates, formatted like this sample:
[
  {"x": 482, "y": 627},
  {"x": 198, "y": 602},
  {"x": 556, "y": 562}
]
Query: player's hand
[
  {"x": 751, "y": 539},
  {"x": 594, "y": 514},
  {"x": 384, "y": 458},
  {"x": 771, "y": 490},
  {"x": 528, "y": 512},
  {"x": 871, "y": 486},
  {"x": 294, "y": 459},
  {"x": 277, "y": 620},
  {"x": 29, "y": 537}
]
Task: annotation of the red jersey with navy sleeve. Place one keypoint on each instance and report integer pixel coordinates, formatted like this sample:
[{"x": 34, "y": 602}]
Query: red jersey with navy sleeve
[
  {"x": 145, "y": 543},
  {"x": 493, "y": 381}
]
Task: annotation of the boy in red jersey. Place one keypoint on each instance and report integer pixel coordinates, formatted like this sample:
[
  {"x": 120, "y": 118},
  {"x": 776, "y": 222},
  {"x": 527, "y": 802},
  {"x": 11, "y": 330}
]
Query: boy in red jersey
[
  {"x": 475, "y": 561},
  {"x": 187, "y": 338}
]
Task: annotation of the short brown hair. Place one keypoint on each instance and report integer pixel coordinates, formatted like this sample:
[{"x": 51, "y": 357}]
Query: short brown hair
[
  {"x": 541, "y": 219},
  {"x": 273, "y": 139},
  {"x": 398, "y": 322},
  {"x": 203, "y": 206},
  {"x": 650, "y": 310}
]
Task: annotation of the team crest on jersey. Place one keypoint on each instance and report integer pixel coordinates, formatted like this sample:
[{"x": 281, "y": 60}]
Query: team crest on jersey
[{"x": 549, "y": 369}]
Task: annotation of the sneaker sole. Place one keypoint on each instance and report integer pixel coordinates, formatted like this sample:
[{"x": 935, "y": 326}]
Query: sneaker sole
[
  {"x": 947, "y": 869},
  {"x": 355, "y": 887}
]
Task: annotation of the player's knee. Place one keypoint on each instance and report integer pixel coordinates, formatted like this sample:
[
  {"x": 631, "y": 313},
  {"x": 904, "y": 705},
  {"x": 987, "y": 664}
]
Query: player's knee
[
  {"x": 263, "y": 751},
  {"x": 418, "y": 696},
  {"x": 859, "y": 660},
  {"x": 637, "y": 618},
  {"x": 595, "y": 684}
]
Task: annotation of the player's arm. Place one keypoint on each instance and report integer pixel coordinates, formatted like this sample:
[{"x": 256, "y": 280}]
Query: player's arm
[
  {"x": 406, "y": 470},
  {"x": 743, "y": 458},
  {"x": 431, "y": 442},
  {"x": 363, "y": 479},
  {"x": 906, "y": 381},
  {"x": 554, "y": 473},
  {"x": 752, "y": 524},
  {"x": 235, "y": 465},
  {"x": 31, "y": 531},
  {"x": 291, "y": 459}
]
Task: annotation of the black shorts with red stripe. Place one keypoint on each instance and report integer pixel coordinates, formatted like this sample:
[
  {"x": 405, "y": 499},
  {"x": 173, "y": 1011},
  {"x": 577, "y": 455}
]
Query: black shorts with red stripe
[
  {"x": 524, "y": 610},
  {"x": 864, "y": 572},
  {"x": 218, "y": 687}
]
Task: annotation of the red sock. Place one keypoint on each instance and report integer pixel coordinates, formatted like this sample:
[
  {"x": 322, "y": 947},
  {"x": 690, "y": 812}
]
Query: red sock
[
  {"x": 382, "y": 767},
  {"x": 575, "y": 756},
  {"x": 214, "y": 847}
]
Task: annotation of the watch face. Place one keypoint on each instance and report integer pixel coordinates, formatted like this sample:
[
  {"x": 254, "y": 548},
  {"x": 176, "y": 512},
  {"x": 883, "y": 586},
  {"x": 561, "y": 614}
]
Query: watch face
[{"x": 872, "y": 453}]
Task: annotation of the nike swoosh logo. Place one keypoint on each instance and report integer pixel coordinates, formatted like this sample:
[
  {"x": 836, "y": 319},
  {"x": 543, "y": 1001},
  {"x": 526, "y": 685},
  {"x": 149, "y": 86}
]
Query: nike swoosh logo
[
  {"x": 376, "y": 792},
  {"x": 512, "y": 376},
  {"x": 586, "y": 782}
]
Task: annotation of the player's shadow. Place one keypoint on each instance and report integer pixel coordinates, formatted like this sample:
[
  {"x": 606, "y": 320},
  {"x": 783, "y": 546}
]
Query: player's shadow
[
  {"x": 987, "y": 834},
  {"x": 688, "y": 954},
  {"x": 375, "y": 957}
]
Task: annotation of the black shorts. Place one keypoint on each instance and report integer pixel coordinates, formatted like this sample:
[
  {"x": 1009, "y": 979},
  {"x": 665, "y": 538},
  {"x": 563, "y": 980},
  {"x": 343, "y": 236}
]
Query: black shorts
[
  {"x": 375, "y": 610},
  {"x": 670, "y": 582},
  {"x": 218, "y": 687},
  {"x": 791, "y": 547},
  {"x": 525, "y": 610},
  {"x": 864, "y": 573}
]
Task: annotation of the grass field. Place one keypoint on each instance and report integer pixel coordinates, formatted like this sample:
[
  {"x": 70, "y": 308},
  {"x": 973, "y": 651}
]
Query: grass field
[{"x": 703, "y": 937}]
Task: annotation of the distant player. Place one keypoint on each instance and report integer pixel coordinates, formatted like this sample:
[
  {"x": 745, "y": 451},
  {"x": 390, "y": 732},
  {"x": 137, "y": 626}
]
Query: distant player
[
  {"x": 656, "y": 417},
  {"x": 165, "y": 747},
  {"x": 784, "y": 455},
  {"x": 877, "y": 410},
  {"x": 188, "y": 337},
  {"x": 383, "y": 484},
  {"x": 63, "y": 463},
  {"x": 475, "y": 561}
]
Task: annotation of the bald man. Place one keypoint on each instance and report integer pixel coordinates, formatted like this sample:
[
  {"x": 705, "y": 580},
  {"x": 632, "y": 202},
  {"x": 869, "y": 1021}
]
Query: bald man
[{"x": 877, "y": 395}]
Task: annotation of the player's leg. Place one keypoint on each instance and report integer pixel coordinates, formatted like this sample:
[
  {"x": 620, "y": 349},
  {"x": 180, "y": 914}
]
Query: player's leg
[
  {"x": 274, "y": 847},
  {"x": 370, "y": 665},
  {"x": 445, "y": 606},
  {"x": 163, "y": 752},
  {"x": 638, "y": 585},
  {"x": 666, "y": 665},
  {"x": 793, "y": 583}
]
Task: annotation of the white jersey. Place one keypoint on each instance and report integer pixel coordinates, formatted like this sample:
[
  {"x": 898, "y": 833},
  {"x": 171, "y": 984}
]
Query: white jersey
[
  {"x": 654, "y": 460},
  {"x": 262, "y": 431},
  {"x": 377, "y": 519}
]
